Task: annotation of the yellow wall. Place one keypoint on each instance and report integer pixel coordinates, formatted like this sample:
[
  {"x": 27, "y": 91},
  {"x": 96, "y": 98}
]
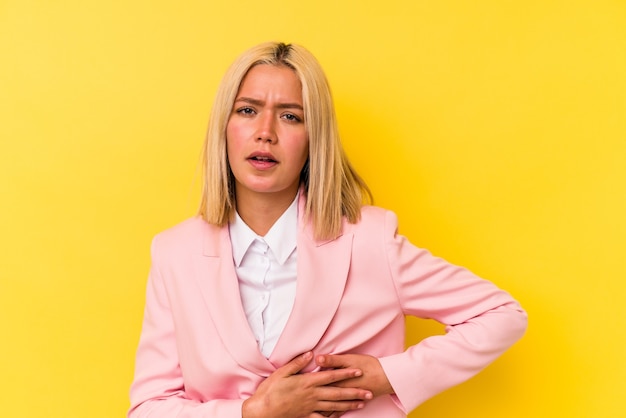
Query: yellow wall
[{"x": 495, "y": 129}]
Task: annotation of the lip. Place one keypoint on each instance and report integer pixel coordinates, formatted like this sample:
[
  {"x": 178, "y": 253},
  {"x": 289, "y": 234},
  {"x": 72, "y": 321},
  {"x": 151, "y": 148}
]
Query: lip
[{"x": 262, "y": 160}]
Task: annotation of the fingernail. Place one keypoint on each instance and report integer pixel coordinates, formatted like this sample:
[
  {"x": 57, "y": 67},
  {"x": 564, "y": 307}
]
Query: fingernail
[
  {"x": 308, "y": 355},
  {"x": 368, "y": 396},
  {"x": 358, "y": 373}
]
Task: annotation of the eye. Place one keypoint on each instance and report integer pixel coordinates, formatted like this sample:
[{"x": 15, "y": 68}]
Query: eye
[
  {"x": 291, "y": 117},
  {"x": 246, "y": 110}
]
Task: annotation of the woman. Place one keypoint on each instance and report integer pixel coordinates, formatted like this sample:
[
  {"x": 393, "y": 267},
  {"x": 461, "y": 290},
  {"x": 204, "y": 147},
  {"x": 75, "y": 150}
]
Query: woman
[{"x": 286, "y": 296}]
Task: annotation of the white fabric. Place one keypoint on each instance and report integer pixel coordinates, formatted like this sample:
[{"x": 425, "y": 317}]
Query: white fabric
[{"x": 266, "y": 268}]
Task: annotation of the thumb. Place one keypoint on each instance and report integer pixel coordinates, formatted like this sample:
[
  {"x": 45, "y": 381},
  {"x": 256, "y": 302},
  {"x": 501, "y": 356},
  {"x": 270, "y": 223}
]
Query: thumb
[{"x": 297, "y": 364}]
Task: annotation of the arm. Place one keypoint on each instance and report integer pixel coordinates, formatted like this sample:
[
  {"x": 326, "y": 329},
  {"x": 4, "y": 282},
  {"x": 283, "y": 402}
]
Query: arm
[{"x": 482, "y": 321}]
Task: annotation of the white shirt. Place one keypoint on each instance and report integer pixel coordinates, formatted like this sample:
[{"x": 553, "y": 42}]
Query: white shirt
[{"x": 266, "y": 268}]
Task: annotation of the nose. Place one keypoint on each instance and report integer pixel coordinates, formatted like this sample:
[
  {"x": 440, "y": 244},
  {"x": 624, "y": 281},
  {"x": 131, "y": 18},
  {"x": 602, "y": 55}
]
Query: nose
[{"x": 266, "y": 128}]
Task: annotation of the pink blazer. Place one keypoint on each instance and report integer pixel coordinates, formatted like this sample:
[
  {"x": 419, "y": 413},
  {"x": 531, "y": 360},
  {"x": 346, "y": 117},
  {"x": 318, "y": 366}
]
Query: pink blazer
[{"x": 197, "y": 356}]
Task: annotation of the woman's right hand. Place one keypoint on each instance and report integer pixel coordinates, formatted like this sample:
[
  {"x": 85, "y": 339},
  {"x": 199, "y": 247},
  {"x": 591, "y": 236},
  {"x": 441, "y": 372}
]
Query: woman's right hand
[{"x": 288, "y": 394}]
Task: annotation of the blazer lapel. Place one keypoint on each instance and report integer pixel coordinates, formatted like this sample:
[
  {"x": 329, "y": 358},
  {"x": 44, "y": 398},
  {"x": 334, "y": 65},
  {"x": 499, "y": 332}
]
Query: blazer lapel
[
  {"x": 216, "y": 276},
  {"x": 322, "y": 273}
]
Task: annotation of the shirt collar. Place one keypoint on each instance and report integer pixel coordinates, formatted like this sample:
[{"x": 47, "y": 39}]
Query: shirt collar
[{"x": 281, "y": 238}]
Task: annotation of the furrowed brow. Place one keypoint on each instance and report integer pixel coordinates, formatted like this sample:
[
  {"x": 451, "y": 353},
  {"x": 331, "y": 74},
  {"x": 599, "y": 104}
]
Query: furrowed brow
[
  {"x": 290, "y": 106},
  {"x": 257, "y": 102},
  {"x": 250, "y": 101}
]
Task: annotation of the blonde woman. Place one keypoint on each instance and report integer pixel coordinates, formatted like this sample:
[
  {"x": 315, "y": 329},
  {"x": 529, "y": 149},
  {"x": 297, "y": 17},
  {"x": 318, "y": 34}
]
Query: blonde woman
[{"x": 286, "y": 295}]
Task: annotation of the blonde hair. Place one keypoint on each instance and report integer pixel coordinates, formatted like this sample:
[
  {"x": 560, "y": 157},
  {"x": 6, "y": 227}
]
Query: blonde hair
[{"x": 332, "y": 187}]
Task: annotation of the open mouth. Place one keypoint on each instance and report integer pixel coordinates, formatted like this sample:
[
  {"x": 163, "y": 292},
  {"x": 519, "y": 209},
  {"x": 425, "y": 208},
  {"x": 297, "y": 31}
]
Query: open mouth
[{"x": 263, "y": 159}]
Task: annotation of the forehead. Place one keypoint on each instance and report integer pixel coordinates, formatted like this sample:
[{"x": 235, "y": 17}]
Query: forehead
[{"x": 268, "y": 77}]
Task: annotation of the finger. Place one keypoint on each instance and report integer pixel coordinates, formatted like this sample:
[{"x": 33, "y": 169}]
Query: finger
[
  {"x": 333, "y": 360},
  {"x": 339, "y": 407},
  {"x": 296, "y": 365},
  {"x": 327, "y": 377},
  {"x": 335, "y": 393}
]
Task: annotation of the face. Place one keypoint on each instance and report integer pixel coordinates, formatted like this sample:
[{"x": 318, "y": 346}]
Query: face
[{"x": 266, "y": 138}]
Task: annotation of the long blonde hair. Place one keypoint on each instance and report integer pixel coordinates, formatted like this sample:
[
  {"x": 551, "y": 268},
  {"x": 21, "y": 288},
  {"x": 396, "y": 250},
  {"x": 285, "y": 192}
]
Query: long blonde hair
[{"x": 332, "y": 187}]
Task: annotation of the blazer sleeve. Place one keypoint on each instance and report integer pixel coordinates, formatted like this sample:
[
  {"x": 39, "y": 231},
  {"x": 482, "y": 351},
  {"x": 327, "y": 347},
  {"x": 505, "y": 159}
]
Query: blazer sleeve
[
  {"x": 158, "y": 390},
  {"x": 481, "y": 320}
]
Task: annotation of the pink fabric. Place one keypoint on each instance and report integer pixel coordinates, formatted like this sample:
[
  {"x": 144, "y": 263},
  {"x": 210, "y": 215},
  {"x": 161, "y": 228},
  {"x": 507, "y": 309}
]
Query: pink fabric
[{"x": 198, "y": 358}]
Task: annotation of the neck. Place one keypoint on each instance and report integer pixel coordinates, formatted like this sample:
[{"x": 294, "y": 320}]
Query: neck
[{"x": 261, "y": 210}]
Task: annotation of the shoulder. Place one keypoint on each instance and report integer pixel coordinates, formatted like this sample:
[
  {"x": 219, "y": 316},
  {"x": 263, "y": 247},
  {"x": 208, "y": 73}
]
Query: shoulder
[
  {"x": 186, "y": 237},
  {"x": 375, "y": 214},
  {"x": 184, "y": 231},
  {"x": 374, "y": 220}
]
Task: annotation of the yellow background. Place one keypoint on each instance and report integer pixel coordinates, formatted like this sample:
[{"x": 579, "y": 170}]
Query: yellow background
[{"x": 495, "y": 129}]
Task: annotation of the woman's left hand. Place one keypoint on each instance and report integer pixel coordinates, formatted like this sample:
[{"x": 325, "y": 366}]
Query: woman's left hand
[{"x": 372, "y": 379}]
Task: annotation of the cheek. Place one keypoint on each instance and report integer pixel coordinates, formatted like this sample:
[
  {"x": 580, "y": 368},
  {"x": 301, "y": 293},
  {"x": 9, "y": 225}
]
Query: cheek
[
  {"x": 236, "y": 129},
  {"x": 233, "y": 138}
]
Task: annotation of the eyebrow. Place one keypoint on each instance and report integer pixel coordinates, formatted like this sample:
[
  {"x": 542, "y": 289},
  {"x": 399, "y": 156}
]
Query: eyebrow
[{"x": 257, "y": 102}]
